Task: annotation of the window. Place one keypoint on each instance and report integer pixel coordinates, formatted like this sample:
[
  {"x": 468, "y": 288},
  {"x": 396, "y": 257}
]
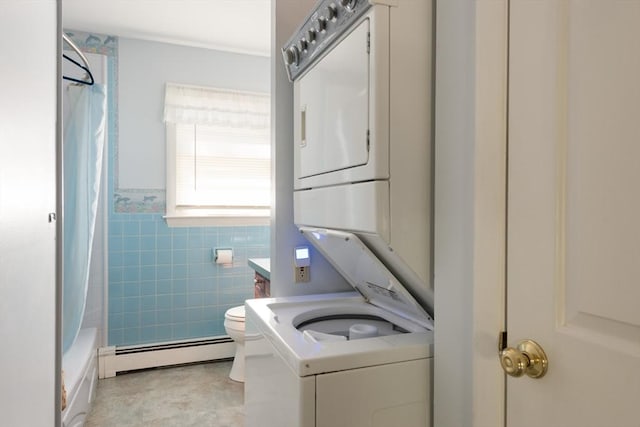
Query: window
[{"x": 218, "y": 156}]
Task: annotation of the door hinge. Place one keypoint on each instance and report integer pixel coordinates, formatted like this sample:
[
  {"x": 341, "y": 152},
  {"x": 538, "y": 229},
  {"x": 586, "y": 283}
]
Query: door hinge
[
  {"x": 368, "y": 42},
  {"x": 502, "y": 340},
  {"x": 368, "y": 140}
]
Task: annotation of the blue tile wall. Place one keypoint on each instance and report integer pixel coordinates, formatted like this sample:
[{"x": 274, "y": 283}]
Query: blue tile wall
[{"x": 163, "y": 284}]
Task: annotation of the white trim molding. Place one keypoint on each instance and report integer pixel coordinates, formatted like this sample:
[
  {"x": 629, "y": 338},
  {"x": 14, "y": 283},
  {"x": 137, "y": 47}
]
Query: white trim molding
[{"x": 470, "y": 206}]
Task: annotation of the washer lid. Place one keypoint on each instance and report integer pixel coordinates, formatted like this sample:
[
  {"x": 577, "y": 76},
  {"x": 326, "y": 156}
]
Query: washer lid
[{"x": 370, "y": 277}]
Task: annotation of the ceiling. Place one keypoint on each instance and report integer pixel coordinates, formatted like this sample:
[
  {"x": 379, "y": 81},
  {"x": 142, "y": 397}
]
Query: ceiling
[{"x": 242, "y": 26}]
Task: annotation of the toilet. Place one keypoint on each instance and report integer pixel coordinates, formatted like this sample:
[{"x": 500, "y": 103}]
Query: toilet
[{"x": 234, "y": 325}]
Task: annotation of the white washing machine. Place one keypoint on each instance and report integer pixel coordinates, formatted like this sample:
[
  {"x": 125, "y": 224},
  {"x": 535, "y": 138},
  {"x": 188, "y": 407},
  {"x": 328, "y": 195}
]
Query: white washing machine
[
  {"x": 352, "y": 359},
  {"x": 362, "y": 85}
]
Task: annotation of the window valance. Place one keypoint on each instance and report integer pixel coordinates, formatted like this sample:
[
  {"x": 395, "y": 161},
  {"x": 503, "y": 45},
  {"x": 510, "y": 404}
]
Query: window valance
[{"x": 216, "y": 107}]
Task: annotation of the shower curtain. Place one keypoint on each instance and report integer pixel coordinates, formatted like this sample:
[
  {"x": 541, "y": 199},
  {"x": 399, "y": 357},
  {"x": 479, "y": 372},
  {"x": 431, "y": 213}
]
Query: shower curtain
[{"x": 83, "y": 146}]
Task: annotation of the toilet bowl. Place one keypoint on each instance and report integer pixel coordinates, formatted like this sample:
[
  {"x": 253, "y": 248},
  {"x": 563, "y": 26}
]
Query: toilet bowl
[{"x": 234, "y": 325}]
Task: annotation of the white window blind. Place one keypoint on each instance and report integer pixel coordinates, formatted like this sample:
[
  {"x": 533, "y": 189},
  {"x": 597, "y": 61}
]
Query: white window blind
[{"x": 219, "y": 150}]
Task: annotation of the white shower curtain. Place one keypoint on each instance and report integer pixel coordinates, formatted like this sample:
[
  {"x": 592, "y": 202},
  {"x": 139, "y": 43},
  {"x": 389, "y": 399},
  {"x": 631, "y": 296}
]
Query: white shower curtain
[{"x": 83, "y": 142}]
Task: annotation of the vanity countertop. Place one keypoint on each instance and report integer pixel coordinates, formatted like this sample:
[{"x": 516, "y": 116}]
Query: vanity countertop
[{"x": 262, "y": 266}]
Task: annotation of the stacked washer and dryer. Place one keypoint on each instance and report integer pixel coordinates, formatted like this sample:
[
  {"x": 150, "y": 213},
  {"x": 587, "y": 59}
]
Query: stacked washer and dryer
[{"x": 362, "y": 76}]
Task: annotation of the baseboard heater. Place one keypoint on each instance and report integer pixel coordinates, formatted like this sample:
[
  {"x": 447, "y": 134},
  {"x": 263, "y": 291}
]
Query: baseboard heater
[{"x": 114, "y": 359}]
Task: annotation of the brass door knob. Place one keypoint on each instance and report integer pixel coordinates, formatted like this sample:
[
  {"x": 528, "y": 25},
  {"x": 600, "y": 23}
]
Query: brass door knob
[{"x": 527, "y": 358}]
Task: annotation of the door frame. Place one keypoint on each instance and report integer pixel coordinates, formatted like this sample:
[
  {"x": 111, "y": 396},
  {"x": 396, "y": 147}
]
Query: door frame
[{"x": 470, "y": 211}]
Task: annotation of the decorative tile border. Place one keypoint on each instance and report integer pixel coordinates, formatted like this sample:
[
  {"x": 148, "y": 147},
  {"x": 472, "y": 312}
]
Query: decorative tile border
[
  {"x": 94, "y": 43},
  {"x": 123, "y": 200},
  {"x": 138, "y": 201}
]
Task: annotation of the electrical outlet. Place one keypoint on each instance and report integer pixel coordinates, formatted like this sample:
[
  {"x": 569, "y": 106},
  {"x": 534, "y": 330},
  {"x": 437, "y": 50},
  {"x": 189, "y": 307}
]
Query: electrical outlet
[{"x": 301, "y": 274}]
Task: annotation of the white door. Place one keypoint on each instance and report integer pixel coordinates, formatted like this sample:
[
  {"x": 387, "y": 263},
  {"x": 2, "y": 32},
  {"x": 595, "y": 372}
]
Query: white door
[
  {"x": 28, "y": 320},
  {"x": 573, "y": 269}
]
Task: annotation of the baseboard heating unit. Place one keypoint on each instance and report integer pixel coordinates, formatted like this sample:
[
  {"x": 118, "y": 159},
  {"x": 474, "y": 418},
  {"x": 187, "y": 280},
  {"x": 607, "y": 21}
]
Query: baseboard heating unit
[{"x": 112, "y": 360}]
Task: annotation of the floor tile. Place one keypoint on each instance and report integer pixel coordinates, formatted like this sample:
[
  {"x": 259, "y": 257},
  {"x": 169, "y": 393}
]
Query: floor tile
[{"x": 191, "y": 395}]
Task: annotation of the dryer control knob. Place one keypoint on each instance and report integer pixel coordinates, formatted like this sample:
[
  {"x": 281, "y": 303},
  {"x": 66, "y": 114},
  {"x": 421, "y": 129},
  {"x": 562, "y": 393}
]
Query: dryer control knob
[
  {"x": 292, "y": 56},
  {"x": 349, "y": 4},
  {"x": 311, "y": 35},
  {"x": 302, "y": 45},
  {"x": 321, "y": 24},
  {"x": 332, "y": 12}
]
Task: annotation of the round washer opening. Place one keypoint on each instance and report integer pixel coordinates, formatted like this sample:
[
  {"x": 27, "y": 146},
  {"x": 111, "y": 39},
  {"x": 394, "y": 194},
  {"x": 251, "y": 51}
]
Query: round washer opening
[{"x": 339, "y": 324}]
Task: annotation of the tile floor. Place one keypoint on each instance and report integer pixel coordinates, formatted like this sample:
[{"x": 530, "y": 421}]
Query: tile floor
[{"x": 190, "y": 395}]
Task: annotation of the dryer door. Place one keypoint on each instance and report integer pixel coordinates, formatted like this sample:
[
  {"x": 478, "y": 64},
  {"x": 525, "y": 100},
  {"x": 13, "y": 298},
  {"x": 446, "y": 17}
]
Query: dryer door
[{"x": 332, "y": 109}]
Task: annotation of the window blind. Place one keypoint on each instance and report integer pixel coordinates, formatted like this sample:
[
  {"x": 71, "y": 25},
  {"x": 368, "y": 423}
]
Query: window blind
[{"x": 222, "y": 148}]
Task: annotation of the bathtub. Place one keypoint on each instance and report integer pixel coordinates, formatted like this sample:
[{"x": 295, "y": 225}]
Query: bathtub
[{"x": 80, "y": 377}]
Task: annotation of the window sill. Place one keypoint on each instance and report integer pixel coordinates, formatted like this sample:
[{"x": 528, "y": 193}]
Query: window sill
[{"x": 215, "y": 221}]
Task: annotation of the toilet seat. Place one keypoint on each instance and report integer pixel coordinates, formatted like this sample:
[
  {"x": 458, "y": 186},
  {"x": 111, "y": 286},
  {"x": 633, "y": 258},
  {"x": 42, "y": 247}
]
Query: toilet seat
[{"x": 236, "y": 314}]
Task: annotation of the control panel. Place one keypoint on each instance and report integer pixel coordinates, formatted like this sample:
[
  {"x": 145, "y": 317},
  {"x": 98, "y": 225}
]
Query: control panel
[
  {"x": 302, "y": 262},
  {"x": 328, "y": 21}
]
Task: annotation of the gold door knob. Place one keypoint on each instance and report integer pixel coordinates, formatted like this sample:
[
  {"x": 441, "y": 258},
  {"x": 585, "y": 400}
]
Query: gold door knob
[{"x": 527, "y": 358}]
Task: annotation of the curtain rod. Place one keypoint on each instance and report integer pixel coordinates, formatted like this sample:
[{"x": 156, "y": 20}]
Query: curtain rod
[{"x": 85, "y": 67}]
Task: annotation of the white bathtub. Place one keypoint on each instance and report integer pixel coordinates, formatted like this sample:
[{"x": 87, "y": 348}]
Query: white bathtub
[{"x": 80, "y": 377}]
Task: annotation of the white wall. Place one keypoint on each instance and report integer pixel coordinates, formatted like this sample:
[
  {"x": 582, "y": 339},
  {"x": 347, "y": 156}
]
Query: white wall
[
  {"x": 287, "y": 15},
  {"x": 143, "y": 69},
  {"x": 470, "y": 208},
  {"x": 28, "y": 108}
]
